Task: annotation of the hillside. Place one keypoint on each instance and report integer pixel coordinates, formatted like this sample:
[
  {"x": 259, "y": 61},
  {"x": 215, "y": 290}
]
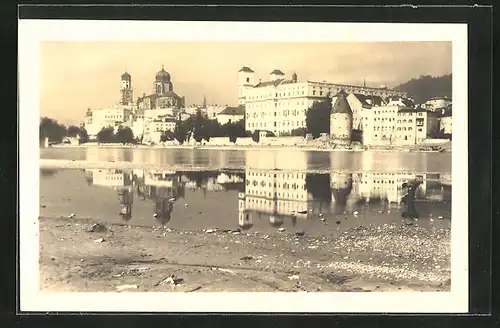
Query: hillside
[{"x": 426, "y": 86}]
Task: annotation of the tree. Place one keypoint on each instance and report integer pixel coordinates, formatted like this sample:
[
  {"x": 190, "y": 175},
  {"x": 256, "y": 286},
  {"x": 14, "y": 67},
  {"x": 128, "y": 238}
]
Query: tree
[
  {"x": 182, "y": 128},
  {"x": 73, "y": 131},
  {"x": 84, "y": 136},
  {"x": 318, "y": 117},
  {"x": 299, "y": 132},
  {"x": 167, "y": 136},
  {"x": 200, "y": 127},
  {"x": 51, "y": 129},
  {"x": 124, "y": 135},
  {"x": 106, "y": 135}
]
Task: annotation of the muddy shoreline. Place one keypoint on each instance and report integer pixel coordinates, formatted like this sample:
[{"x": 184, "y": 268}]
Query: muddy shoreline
[{"x": 75, "y": 256}]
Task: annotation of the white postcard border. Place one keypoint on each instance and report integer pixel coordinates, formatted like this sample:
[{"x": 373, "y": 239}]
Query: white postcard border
[{"x": 32, "y": 32}]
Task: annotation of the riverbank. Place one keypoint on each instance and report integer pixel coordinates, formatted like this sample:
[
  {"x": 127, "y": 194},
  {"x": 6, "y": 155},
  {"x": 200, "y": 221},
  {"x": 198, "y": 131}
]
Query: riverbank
[
  {"x": 75, "y": 255},
  {"x": 444, "y": 147},
  {"x": 51, "y": 164}
]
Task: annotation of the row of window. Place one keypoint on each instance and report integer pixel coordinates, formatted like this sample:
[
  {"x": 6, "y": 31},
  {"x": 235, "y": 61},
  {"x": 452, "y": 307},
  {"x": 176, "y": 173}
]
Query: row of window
[
  {"x": 280, "y": 175},
  {"x": 282, "y": 124},
  {"x": 296, "y": 112},
  {"x": 276, "y": 104}
]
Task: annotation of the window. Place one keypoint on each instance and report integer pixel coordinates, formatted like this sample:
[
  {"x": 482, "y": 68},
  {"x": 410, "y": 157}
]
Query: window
[
  {"x": 419, "y": 129},
  {"x": 314, "y": 92}
]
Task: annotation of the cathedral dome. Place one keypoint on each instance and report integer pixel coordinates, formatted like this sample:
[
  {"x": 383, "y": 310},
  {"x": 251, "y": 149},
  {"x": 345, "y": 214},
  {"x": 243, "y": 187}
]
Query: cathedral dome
[
  {"x": 162, "y": 76},
  {"x": 126, "y": 77}
]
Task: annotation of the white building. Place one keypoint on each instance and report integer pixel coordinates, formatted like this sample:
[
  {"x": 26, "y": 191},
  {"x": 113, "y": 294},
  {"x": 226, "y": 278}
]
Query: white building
[
  {"x": 445, "y": 124},
  {"x": 397, "y": 125},
  {"x": 437, "y": 102},
  {"x": 280, "y": 105},
  {"x": 213, "y": 110},
  {"x": 96, "y": 120},
  {"x": 155, "y": 129},
  {"x": 110, "y": 178},
  {"x": 231, "y": 115}
]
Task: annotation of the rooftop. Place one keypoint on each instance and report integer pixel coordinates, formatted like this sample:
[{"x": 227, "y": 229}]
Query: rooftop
[
  {"x": 246, "y": 69},
  {"x": 278, "y": 72},
  {"x": 240, "y": 110},
  {"x": 341, "y": 106},
  {"x": 369, "y": 101}
]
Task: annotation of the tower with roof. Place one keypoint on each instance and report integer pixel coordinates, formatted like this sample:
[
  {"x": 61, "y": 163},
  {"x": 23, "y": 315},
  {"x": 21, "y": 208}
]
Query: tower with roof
[
  {"x": 126, "y": 95},
  {"x": 246, "y": 81},
  {"x": 162, "y": 83},
  {"x": 341, "y": 118}
]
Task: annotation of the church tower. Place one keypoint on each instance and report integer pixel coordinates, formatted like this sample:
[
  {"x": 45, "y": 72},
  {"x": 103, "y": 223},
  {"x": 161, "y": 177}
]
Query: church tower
[
  {"x": 246, "y": 81},
  {"x": 162, "y": 83},
  {"x": 126, "y": 96}
]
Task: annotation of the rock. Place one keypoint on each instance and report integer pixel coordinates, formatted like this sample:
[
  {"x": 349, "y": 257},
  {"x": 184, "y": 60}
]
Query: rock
[
  {"x": 302, "y": 212},
  {"x": 355, "y": 212},
  {"x": 210, "y": 230},
  {"x": 320, "y": 215},
  {"x": 186, "y": 205},
  {"x": 98, "y": 227},
  {"x": 172, "y": 280},
  {"x": 172, "y": 199},
  {"x": 155, "y": 215},
  {"x": 322, "y": 219},
  {"x": 338, "y": 221},
  {"x": 300, "y": 233},
  {"x": 294, "y": 277},
  {"x": 246, "y": 258},
  {"x": 72, "y": 215},
  {"x": 100, "y": 240},
  {"x": 281, "y": 229},
  {"x": 125, "y": 287}
]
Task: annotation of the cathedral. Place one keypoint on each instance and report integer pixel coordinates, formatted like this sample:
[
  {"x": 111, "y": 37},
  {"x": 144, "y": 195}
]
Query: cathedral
[{"x": 163, "y": 95}]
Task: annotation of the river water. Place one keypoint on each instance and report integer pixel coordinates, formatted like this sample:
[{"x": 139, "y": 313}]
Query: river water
[{"x": 254, "y": 190}]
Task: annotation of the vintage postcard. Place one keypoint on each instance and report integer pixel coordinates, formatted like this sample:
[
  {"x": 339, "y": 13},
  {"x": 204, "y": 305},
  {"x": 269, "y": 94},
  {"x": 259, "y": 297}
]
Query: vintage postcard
[{"x": 243, "y": 167}]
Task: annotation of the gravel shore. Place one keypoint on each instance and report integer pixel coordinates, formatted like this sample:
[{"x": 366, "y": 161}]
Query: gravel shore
[{"x": 76, "y": 256}]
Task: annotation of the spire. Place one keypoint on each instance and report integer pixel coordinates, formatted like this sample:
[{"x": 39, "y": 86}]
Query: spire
[
  {"x": 161, "y": 66},
  {"x": 364, "y": 82},
  {"x": 204, "y": 101}
]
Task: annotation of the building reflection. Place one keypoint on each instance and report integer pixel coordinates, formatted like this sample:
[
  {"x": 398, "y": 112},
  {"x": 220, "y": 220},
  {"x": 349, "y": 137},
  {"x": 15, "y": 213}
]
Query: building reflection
[
  {"x": 163, "y": 188},
  {"x": 284, "y": 196},
  {"x": 281, "y": 197}
]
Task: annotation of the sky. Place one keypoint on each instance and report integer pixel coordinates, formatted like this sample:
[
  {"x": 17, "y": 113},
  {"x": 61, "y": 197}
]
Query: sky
[{"x": 75, "y": 76}]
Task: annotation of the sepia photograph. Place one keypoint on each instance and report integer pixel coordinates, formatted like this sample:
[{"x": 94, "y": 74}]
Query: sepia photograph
[{"x": 242, "y": 167}]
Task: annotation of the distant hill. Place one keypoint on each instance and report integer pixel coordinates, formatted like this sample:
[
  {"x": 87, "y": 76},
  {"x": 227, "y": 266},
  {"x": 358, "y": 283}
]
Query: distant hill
[{"x": 425, "y": 87}]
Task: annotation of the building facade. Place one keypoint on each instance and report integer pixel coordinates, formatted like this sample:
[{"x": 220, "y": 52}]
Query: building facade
[
  {"x": 231, "y": 115},
  {"x": 397, "y": 125},
  {"x": 163, "y": 95},
  {"x": 280, "y": 105},
  {"x": 446, "y": 124}
]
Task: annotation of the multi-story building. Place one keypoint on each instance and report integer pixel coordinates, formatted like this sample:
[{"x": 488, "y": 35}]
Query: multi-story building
[
  {"x": 96, "y": 120},
  {"x": 358, "y": 104},
  {"x": 445, "y": 123},
  {"x": 155, "y": 128},
  {"x": 231, "y": 115},
  {"x": 280, "y": 105},
  {"x": 394, "y": 124},
  {"x": 437, "y": 103}
]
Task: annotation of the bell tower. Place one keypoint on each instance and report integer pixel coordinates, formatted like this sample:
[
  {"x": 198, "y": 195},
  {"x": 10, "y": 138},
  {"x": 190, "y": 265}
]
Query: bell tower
[
  {"x": 126, "y": 95},
  {"x": 245, "y": 82}
]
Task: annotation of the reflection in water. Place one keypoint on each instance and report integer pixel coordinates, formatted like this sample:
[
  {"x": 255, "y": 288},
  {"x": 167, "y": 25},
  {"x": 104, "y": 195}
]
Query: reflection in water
[
  {"x": 272, "y": 188},
  {"x": 280, "y": 196}
]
